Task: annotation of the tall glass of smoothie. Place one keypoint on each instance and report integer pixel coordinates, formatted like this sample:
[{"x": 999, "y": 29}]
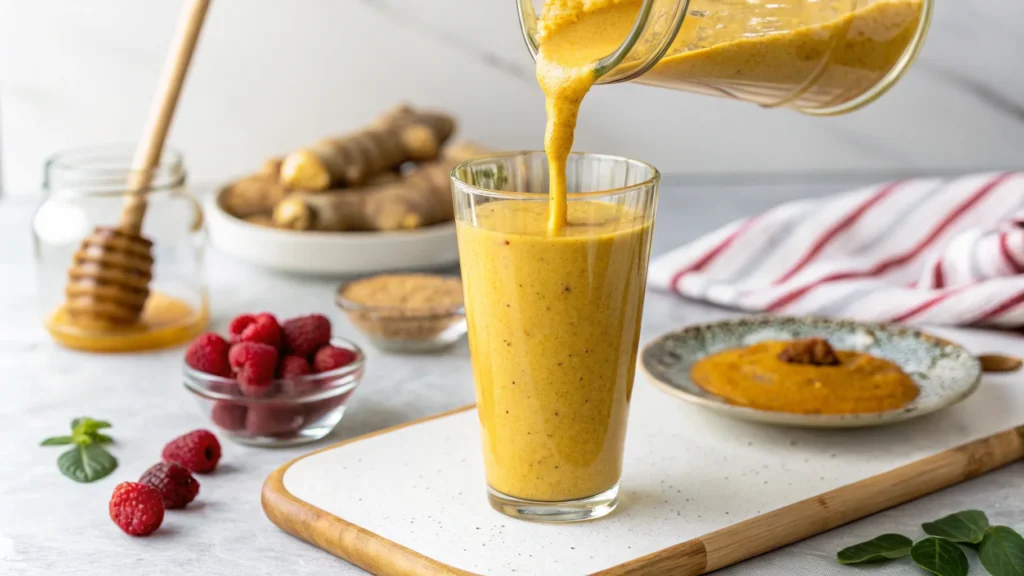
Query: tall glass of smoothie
[{"x": 554, "y": 323}]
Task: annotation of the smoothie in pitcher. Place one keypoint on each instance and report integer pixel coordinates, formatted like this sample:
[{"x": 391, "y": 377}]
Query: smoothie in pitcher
[
  {"x": 554, "y": 323},
  {"x": 807, "y": 55}
]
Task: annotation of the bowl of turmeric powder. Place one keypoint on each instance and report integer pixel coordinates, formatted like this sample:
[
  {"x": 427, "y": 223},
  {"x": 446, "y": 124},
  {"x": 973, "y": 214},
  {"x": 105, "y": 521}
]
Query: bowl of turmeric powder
[
  {"x": 406, "y": 313},
  {"x": 811, "y": 372}
]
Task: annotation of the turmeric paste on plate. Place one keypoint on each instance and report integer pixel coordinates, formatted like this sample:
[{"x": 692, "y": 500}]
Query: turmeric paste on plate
[{"x": 804, "y": 377}]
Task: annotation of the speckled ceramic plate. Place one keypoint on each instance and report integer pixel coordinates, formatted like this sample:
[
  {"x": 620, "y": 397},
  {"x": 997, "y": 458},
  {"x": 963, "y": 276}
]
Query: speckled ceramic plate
[{"x": 945, "y": 372}]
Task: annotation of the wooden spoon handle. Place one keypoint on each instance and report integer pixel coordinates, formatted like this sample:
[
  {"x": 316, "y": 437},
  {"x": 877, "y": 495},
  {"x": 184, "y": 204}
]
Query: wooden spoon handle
[{"x": 147, "y": 155}]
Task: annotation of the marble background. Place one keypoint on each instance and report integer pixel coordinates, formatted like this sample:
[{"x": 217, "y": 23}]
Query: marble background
[{"x": 271, "y": 75}]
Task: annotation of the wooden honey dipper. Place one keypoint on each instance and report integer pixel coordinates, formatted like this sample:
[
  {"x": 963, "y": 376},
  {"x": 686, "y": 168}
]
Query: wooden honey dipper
[{"x": 108, "y": 282}]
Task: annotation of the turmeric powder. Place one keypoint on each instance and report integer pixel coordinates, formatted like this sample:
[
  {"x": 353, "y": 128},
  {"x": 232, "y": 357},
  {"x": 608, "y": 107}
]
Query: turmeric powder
[{"x": 399, "y": 136}]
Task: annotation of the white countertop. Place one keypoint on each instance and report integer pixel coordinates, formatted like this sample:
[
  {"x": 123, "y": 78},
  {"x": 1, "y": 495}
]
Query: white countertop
[{"x": 50, "y": 525}]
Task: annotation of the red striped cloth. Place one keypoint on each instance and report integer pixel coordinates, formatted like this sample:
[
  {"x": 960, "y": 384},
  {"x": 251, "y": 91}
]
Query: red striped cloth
[{"x": 919, "y": 251}]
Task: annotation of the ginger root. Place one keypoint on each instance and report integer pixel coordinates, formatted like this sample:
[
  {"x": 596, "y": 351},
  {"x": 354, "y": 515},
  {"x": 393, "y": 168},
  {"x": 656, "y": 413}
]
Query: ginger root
[
  {"x": 421, "y": 198},
  {"x": 399, "y": 136},
  {"x": 261, "y": 220},
  {"x": 253, "y": 195},
  {"x": 272, "y": 167}
]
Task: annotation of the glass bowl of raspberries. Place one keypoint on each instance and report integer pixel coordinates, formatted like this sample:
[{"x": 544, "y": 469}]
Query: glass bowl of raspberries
[{"x": 271, "y": 383}]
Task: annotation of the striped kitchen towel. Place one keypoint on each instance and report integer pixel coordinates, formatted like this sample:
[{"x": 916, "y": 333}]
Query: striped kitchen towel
[{"x": 918, "y": 251}]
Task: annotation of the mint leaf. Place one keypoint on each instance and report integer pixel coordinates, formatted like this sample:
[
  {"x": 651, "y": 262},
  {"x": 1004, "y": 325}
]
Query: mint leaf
[
  {"x": 82, "y": 439},
  {"x": 57, "y": 441},
  {"x": 86, "y": 463},
  {"x": 967, "y": 527},
  {"x": 102, "y": 439},
  {"x": 884, "y": 547},
  {"x": 940, "y": 556},
  {"x": 86, "y": 425},
  {"x": 1002, "y": 552}
]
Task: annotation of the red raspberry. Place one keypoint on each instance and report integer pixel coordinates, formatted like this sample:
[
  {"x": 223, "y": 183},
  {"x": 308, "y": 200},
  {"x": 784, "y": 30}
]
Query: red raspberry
[
  {"x": 228, "y": 415},
  {"x": 198, "y": 451},
  {"x": 262, "y": 328},
  {"x": 209, "y": 353},
  {"x": 305, "y": 334},
  {"x": 276, "y": 420},
  {"x": 176, "y": 485},
  {"x": 136, "y": 508},
  {"x": 331, "y": 358},
  {"x": 293, "y": 366},
  {"x": 238, "y": 325},
  {"x": 291, "y": 371},
  {"x": 254, "y": 364}
]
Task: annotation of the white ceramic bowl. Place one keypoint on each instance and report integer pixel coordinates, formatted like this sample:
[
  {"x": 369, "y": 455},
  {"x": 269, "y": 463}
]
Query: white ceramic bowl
[{"x": 331, "y": 253}]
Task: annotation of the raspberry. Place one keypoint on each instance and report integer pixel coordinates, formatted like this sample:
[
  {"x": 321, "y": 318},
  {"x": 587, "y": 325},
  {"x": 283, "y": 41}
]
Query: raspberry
[
  {"x": 262, "y": 328},
  {"x": 209, "y": 353},
  {"x": 176, "y": 485},
  {"x": 228, "y": 415},
  {"x": 254, "y": 364},
  {"x": 291, "y": 371},
  {"x": 331, "y": 358},
  {"x": 136, "y": 508},
  {"x": 197, "y": 451},
  {"x": 238, "y": 325},
  {"x": 305, "y": 334},
  {"x": 292, "y": 366},
  {"x": 274, "y": 420}
]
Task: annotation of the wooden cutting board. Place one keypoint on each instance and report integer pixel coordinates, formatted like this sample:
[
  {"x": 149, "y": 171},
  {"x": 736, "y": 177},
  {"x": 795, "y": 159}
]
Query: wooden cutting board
[{"x": 699, "y": 491}]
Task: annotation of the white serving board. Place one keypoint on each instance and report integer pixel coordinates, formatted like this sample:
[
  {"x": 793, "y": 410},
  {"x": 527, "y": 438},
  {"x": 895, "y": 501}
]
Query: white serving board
[{"x": 687, "y": 472}]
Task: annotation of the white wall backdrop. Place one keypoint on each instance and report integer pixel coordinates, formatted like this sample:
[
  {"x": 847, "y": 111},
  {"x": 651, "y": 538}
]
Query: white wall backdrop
[{"x": 274, "y": 74}]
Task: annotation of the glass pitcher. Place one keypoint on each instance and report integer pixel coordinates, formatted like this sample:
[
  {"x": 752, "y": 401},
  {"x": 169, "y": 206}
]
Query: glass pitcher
[{"x": 820, "y": 57}]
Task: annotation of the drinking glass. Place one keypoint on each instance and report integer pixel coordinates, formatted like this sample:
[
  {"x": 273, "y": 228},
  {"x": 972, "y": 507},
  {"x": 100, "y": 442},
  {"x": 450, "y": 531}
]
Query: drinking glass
[{"x": 554, "y": 323}]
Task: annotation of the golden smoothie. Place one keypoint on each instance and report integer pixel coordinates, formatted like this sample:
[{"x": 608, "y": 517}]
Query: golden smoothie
[
  {"x": 808, "y": 55},
  {"x": 554, "y": 323}
]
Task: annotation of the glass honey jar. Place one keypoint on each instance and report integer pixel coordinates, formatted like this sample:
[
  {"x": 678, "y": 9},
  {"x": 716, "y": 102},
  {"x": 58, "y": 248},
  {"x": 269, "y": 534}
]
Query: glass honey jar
[{"x": 76, "y": 225}]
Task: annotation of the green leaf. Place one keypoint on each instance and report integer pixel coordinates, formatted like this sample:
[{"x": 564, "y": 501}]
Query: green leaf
[
  {"x": 86, "y": 463},
  {"x": 82, "y": 439},
  {"x": 1002, "y": 552},
  {"x": 87, "y": 425},
  {"x": 884, "y": 547},
  {"x": 940, "y": 556},
  {"x": 103, "y": 439},
  {"x": 967, "y": 527},
  {"x": 57, "y": 441}
]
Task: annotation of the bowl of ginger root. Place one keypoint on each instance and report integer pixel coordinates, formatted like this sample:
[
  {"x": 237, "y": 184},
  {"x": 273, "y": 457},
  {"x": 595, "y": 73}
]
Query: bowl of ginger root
[{"x": 375, "y": 200}]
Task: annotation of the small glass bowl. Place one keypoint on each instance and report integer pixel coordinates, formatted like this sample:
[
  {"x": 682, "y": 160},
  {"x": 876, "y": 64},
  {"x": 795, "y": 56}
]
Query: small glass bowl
[
  {"x": 294, "y": 411},
  {"x": 405, "y": 330}
]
